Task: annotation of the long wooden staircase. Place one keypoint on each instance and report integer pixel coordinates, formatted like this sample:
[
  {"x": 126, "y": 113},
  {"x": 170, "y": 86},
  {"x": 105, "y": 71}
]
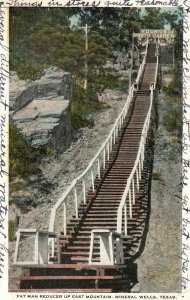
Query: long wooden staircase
[{"x": 74, "y": 273}]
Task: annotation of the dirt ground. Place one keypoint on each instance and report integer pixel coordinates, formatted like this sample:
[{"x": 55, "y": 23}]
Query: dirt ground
[{"x": 159, "y": 266}]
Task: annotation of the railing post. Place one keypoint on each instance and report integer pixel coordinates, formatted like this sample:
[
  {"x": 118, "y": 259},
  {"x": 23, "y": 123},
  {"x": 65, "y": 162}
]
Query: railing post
[
  {"x": 117, "y": 130},
  {"x": 36, "y": 248},
  {"x": 76, "y": 202},
  {"x": 92, "y": 178},
  {"x": 108, "y": 150},
  {"x": 143, "y": 149},
  {"x": 58, "y": 251},
  {"x": 98, "y": 168},
  {"x": 84, "y": 191},
  {"x": 119, "y": 220},
  {"x": 141, "y": 157},
  {"x": 111, "y": 141},
  {"x": 137, "y": 176},
  {"x": 132, "y": 92},
  {"x": 65, "y": 218},
  {"x": 139, "y": 169},
  {"x": 104, "y": 158},
  {"x": 130, "y": 203},
  {"x": 125, "y": 218},
  {"x": 53, "y": 248},
  {"x": 122, "y": 118},
  {"x": 17, "y": 246},
  {"x": 114, "y": 135},
  {"x": 91, "y": 247},
  {"x": 133, "y": 184}
]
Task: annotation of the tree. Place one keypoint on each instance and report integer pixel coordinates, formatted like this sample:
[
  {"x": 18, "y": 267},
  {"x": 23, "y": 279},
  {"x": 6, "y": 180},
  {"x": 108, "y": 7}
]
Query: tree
[
  {"x": 175, "y": 21},
  {"x": 26, "y": 21},
  {"x": 114, "y": 24},
  {"x": 66, "y": 49},
  {"x": 152, "y": 19}
]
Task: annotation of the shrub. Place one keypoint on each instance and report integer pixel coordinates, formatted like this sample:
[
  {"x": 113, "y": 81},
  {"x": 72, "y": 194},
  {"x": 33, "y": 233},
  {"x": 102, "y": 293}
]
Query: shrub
[
  {"x": 48, "y": 151},
  {"x": 30, "y": 71},
  {"x": 16, "y": 186},
  {"x": 172, "y": 155},
  {"x": 23, "y": 160},
  {"x": 156, "y": 175},
  {"x": 175, "y": 139},
  {"x": 11, "y": 230},
  {"x": 174, "y": 88},
  {"x": 106, "y": 79},
  {"x": 172, "y": 120},
  {"x": 83, "y": 105}
]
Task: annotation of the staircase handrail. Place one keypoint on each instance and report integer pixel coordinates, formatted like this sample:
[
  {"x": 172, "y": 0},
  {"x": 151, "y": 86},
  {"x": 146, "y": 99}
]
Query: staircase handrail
[
  {"x": 102, "y": 148},
  {"x": 112, "y": 136},
  {"x": 138, "y": 163},
  {"x": 106, "y": 147},
  {"x": 142, "y": 66},
  {"x": 156, "y": 72}
]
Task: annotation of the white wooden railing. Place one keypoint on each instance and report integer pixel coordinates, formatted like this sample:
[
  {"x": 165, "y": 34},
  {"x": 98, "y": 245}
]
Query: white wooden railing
[
  {"x": 81, "y": 183},
  {"x": 129, "y": 194},
  {"x": 142, "y": 66},
  {"x": 111, "y": 249},
  {"x": 93, "y": 170},
  {"x": 134, "y": 178},
  {"x": 157, "y": 64}
]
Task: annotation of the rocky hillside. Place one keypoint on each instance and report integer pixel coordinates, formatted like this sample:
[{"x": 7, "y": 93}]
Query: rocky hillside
[{"x": 40, "y": 108}]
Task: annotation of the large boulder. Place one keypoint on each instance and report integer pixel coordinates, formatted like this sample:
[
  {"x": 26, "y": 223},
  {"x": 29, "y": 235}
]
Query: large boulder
[{"x": 40, "y": 109}]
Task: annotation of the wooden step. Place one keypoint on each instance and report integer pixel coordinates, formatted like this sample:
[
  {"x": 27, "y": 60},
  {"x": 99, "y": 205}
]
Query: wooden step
[
  {"x": 71, "y": 277},
  {"x": 66, "y": 290},
  {"x": 73, "y": 266}
]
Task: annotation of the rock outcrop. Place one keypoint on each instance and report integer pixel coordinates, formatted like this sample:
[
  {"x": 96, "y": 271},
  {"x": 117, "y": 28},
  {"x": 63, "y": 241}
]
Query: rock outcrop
[{"x": 40, "y": 109}]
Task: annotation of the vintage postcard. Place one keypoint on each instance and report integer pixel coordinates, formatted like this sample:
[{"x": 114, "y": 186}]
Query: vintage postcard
[{"x": 95, "y": 149}]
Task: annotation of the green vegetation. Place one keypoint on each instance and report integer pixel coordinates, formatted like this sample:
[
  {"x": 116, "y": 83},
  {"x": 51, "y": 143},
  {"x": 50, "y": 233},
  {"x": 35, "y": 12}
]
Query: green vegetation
[
  {"x": 172, "y": 153},
  {"x": 108, "y": 80},
  {"x": 30, "y": 71},
  {"x": 11, "y": 230},
  {"x": 66, "y": 49},
  {"x": 175, "y": 86},
  {"x": 152, "y": 19},
  {"x": 43, "y": 36},
  {"x": 156, "y": 175},
  {"x": 40, "y": 37},
  {"x": 16, "y": 186},
  {"x": 23, "y": 159},
  {"x": 84, "y": 103},
  {"x": 172, "y": 118}
]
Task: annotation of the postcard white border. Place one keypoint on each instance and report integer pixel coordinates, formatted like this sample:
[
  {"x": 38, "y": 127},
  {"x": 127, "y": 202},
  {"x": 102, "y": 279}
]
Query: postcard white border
[{"x": 4, "y": 86}]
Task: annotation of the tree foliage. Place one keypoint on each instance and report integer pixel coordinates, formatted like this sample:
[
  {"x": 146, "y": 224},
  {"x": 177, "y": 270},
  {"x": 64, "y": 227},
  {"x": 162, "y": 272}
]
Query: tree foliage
[
  {"x": 172, "y": 118},
  {"x": 174, "y": 88},
  {"x": 114, "y": 24},
  {"x": 66, "y": 49},
  {"x": 45, "y": 35},
  {"x": 152, "y": 19},
  {"x": 22, "y": 158},
  {"x": 26, "y": 21}
]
